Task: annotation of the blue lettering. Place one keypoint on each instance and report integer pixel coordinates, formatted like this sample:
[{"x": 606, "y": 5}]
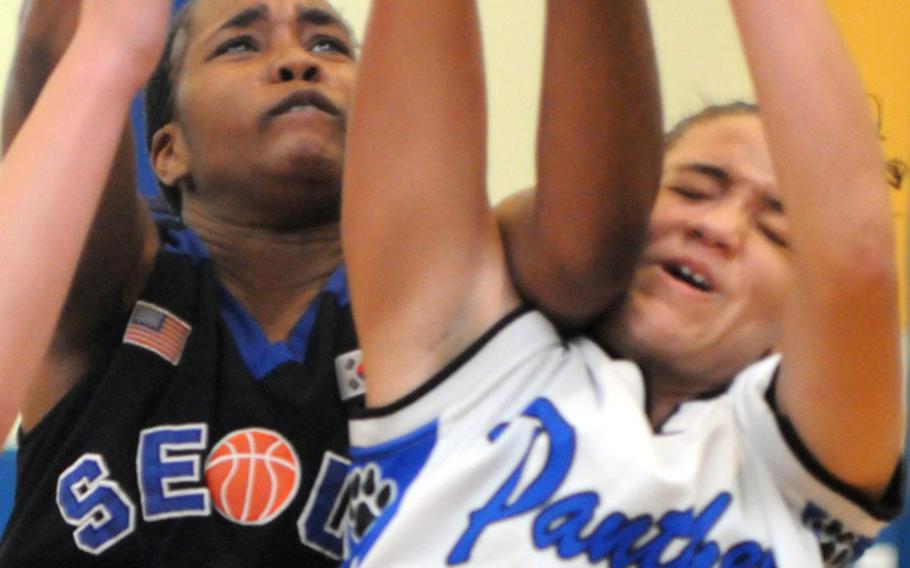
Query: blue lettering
[
  {"x": 502, "y": 506},
  {"x": 623, "y": 542},
  {"x": 744, "y": 555},
  {"x": 697, "y": 553},
  {"x": 87, "y": 499},
  {"x": 562, "y": 523},
  {"x": 321, "y": 524},
  {"x": 615, "y": 539},
  {"x": 160, "y": 467},
  {"x": 616, "y": 533}
]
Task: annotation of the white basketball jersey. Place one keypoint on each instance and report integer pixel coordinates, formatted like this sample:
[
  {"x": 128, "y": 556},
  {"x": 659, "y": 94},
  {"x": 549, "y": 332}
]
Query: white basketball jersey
[{"x": 528, "y": 451}]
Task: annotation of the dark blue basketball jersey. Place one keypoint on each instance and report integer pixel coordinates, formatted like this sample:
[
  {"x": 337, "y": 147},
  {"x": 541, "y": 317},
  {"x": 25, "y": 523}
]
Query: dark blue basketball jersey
[{"x": 196, "y": 442}]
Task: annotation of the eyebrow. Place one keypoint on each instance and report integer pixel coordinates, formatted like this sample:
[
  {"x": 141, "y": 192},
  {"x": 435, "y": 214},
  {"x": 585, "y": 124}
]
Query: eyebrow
[
  {"x": 717, "y": 173},
  {"x": 246, "y": 17},
  {"x": 260, "y": 12},
  {"x": 724, "y": 178}
]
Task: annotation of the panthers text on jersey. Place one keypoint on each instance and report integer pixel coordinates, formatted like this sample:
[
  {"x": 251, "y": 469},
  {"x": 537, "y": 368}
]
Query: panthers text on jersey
[{"x": 530, "y": 451}]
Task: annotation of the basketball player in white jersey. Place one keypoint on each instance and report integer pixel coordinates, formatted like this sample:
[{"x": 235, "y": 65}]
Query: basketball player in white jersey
[{"x": 490, "y": 441}]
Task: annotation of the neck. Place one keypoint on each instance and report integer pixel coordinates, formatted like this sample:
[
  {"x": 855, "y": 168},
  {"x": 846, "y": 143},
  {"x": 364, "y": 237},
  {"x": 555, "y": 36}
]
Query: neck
[
  {"x": 275, "y": 274},
  {"x": 667, "y": 390}
]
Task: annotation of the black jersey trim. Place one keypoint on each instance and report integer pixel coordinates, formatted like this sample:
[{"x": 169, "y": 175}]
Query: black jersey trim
[
  {"x": 445, "y": 372},
  {"x": 658, "y": 428},
  {"x": 885, "y": 509}
]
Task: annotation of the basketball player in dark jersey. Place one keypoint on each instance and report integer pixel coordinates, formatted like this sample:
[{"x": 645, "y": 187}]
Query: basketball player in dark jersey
[{"x": 191, "y": 408}]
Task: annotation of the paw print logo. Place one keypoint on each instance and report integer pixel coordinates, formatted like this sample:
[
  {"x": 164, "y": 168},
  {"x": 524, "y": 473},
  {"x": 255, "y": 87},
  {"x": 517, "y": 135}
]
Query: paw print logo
[
  {"x": 370, "y": 494},
  {"x": 839, "y": 546}
]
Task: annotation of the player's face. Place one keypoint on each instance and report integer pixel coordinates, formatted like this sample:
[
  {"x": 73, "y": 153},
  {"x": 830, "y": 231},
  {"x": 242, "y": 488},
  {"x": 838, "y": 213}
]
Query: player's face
[
  {"x": 262, "y": 99},
  {"x": 708, "y": 294}
]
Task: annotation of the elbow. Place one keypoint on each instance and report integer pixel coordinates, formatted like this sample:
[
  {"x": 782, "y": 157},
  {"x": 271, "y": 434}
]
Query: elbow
[
  {"x": 860, "y": 266},
  {"x": 575, "y": 289}
]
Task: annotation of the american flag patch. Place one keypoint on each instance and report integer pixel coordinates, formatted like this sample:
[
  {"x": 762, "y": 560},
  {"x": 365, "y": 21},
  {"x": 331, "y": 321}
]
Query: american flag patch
[{"x": 157, "y": 330}]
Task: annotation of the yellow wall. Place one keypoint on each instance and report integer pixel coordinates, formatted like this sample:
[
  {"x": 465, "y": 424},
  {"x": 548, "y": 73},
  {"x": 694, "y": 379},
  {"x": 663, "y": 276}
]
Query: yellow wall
[{"x": 878, "y": 33}]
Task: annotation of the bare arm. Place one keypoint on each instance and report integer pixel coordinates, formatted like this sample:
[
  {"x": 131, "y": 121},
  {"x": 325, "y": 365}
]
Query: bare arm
[
  {"x": 573, "y": 242},
  {"x": 427, "y": 269},
  {"x": 122, "y": 238},
  {"x": 840, "y": 380}
]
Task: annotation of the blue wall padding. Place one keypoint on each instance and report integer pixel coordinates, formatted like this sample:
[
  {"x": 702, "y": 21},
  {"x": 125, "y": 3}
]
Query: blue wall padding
[{"x": 7, "y": 484}]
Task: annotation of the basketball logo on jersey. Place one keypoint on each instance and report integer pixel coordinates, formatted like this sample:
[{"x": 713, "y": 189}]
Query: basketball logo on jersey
[
  {"x": 349, "y": 372},
  {"x": 252, "y": 475},
  {"x": 369, "y": 496}
]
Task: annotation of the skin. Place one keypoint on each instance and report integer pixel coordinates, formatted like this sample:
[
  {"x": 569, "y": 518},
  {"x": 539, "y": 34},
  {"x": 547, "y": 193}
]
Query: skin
[
  {"x": 774, "y": 282},
  {"x": 230, "y": 80},
  {"x": 32, "y": 295},
  {"x": 820, "y": 285},
  {"x": 269, "y": 196},
  {"x": 261, "y": 198},
  {"x": 719, "y": 213},
  {"x": 417, "y": 154},
  {"x": 263, "y": 192}
]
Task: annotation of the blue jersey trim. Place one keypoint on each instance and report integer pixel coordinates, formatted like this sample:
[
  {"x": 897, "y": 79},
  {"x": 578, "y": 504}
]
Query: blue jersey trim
[
  {"x": 259, "y": 354},
  {"x": 391, "y": 467},
  {"x": 184, "y": 241}
]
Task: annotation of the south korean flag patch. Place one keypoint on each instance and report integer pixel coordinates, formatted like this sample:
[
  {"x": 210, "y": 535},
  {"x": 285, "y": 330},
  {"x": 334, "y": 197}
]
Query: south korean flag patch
[{"x": 349, "y": 372}]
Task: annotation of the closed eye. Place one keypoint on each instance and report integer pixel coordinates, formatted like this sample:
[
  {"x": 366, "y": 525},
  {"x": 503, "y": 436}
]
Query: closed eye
[
  {"x": 689, "y": 193},
  {"x": 773, "y": 236}
]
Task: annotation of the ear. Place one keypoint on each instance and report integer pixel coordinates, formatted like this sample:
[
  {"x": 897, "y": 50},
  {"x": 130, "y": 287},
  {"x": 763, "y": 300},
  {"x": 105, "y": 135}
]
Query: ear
[{"x": 169, "y": 155}]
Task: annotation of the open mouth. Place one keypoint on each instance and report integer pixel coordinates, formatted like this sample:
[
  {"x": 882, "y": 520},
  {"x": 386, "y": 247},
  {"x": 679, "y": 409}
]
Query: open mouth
[{"x": 689, "y": 276}]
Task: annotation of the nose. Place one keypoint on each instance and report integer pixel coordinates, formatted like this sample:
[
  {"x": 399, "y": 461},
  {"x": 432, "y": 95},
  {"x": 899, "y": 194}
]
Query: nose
[
  {"x": 722, "y": 225},
  {"x": 295, "y": 64}
]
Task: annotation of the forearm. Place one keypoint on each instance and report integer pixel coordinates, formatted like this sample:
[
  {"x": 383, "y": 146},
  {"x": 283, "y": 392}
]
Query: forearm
[
  {"x": 841, "y": 381},
  {"x": 819, "y": 129},
  {"x": 122, "y": 224},
  {"x": 598, "y": 158},
  {"x": 50, "y": 184},
  {"x": 421, "y": 247}
]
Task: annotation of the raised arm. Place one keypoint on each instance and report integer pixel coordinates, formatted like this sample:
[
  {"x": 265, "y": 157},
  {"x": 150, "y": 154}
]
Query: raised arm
[
  {"x": 573, "y": 242},
  {"x": 122, "y": 238},
  {"x": 426, "y": 265},
  {"x": 51, "y": 180},
  {"x": 840, "y": 381}
]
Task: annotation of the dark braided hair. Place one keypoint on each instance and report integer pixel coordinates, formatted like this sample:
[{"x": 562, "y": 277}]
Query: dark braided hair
[{"x": 159, "y": 91}]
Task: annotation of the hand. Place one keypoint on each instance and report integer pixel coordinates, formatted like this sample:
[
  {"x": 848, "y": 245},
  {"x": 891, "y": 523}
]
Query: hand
[{"x": 133, "y": 31}]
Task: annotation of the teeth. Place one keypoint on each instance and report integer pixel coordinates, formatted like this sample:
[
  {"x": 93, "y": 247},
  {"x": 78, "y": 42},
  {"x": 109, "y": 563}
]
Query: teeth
[{"x": 693, "y": 278}]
